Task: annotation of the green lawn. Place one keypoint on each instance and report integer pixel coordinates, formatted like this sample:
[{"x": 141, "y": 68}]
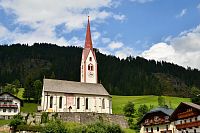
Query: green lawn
[
  {"x": 29, "y": 107},
  {"x": 120, "y": 101},
  {"x": 4, "y": 122}
]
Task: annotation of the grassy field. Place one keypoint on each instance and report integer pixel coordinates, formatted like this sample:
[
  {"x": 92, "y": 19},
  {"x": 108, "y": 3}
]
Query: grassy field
[
  {"x": 29, "y": 107},
  {"x": 4, "y": 122},
  {"x": 120, "y": 101}
]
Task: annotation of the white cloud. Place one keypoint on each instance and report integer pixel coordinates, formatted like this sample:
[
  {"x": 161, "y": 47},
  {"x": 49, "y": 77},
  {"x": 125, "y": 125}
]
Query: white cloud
[
  {"x": 124, "y": 52},
  {"x": 44, "y": 16},
  {"x": 115, "y": 45},
  {"x": 141, "y": 1},
  {"x": 3, "y": 31},
  {"x": 183, "y": 49},
  {"x": 182, "y": 13},
  {"x": 119, "y": 17},
  {"x": 105, "y": 40}
]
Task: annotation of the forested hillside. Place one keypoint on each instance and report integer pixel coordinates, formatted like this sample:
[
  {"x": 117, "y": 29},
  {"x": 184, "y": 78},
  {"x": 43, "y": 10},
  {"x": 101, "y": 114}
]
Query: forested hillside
[{"x": 130, "y": 76}]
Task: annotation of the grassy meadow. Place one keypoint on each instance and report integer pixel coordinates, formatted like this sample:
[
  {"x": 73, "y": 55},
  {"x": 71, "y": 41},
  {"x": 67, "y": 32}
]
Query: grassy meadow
[{"x": 118, "y": 102}]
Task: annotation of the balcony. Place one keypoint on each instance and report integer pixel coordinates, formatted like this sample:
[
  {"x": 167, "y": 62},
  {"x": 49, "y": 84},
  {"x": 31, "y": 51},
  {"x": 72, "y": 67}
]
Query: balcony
[
  {"x": 156, "y": 122},
  {"x": 187, "y": 114},
  {"x": 8, "y": 106},
  {"x": 188, "y": 125}
]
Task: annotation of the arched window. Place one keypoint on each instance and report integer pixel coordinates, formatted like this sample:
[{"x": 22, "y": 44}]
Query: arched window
[
  {"x": 90, "y": 67},
  {"x": 103, "y": 104},
  {"x": 51, "y": 101},
  {"x": 90, "y": 58},
  {"x": 86, "y": 103},
  {"x": 78, "y": 103},
  {"x": 60, "y": 102}
]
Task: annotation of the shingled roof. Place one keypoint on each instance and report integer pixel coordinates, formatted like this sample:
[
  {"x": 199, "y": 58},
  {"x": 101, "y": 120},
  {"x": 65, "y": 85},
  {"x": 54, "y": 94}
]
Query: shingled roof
[{"x": 52, "y": 85}]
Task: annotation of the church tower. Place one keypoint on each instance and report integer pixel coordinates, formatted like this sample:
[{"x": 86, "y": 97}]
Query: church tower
[{"x": 88, "y": 61}]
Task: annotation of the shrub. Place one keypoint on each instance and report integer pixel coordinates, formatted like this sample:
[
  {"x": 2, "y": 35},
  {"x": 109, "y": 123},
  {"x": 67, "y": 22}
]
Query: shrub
[
  {"x": 54, "y": 127},
  {"x": 129, "y": 109}
]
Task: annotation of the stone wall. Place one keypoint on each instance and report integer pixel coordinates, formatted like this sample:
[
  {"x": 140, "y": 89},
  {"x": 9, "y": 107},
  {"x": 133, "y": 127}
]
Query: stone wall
[{"x": 84, "y": 118}]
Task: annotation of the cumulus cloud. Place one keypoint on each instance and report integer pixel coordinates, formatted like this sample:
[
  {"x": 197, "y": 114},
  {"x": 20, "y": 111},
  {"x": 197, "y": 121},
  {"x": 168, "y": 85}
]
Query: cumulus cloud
[
  {"x": 198, "y": 6},
  {"x": 115, "y": 45},
  {"x": 141, "y": 1},
  {"x": 124, "y": 52},
  {"x": 44, "y": 16},
  {"x": 183, "y": 49},
  {"x": 119, "y": 17},
  {"x": 182, "y": 13}
]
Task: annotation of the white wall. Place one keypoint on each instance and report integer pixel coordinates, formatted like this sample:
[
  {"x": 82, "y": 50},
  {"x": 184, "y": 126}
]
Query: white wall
[
  {"x": 161, "y": 128},
  {"x": 7, "y": 113},
  {"x": 94, "y": 103}
]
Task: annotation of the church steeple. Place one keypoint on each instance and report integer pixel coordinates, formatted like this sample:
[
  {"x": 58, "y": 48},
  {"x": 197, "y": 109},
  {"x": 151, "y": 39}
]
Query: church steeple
[
  {"x": 88, "y": 62},
  {"x": 88, "y": 38}
]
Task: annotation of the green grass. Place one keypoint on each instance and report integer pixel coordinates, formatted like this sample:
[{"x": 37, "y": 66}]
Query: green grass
[
  {"x": 128, "y": 130},
  {"x": 29, "y": 107},
  {"x": 4, "y": 122},
  {"x": 120, "y": 101}
]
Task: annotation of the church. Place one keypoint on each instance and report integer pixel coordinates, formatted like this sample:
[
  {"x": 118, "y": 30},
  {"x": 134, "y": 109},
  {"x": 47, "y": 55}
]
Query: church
[{"x": 84, "y": 96}]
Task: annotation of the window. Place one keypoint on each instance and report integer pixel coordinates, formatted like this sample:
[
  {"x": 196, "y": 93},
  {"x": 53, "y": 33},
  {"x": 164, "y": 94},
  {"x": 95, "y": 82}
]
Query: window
[
  {"x": 78, "y": 103},
  {"x": 195, "y": 118},
  {"x": 90, "y": 67},
  {"x": 147, "y": 129},
  {"x": 60, "y": 102},
  {"x": 4, "y": 110},
  {"x": 51, "y": 101},
  {"x": 166, "y": 127},
  {"x": 86, "y": 103},
  {"x": 103, "y": 104},
  {"x": 152, "y": 129},
  {"x": 195, "y": 131},
  {"x": 90, "y": 58},
  {"x": 9, "y": 110},
  {"x": 157, "y": 128},
  {"x": 15, "y": 110},
  {"x": 185, "y": 121},
  {"x": 186, "y": 131},
  {"x": 180, "y": 122},
  {"x": 190, "y": 120}
]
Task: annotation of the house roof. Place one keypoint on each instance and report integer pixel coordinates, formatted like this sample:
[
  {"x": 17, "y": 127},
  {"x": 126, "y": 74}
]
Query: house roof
[
  {"x": 52, "y": 85},
  {"x": 166, "y": 111},
  {"x": 21, "y": 102},
  {"x": 184, "y": 105}
]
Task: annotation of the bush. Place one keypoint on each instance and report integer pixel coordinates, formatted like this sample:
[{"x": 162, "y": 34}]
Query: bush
[
  {"x": 29, "y": 128},
  {"x": 129, "y": 109},
  {"x": 54, "y": 127}
]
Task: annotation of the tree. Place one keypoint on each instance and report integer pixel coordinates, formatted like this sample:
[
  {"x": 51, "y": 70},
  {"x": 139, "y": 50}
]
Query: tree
[
  {"x": 195, "y": 95},
  {"x": 143, "y": 109},
  {"x": 17, "y": 85},
  {"x": 28, "y": 85},
  {"x": 161, "y": 101},
  {"x": 38, "y": 90},
  {"x": 9, "y": 88},
  {"x": 129, "y": 109}
]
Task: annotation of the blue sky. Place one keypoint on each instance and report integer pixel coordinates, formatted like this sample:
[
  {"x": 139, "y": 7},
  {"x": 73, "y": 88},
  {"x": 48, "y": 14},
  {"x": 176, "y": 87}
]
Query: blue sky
[{"x": 154, "y": 29}]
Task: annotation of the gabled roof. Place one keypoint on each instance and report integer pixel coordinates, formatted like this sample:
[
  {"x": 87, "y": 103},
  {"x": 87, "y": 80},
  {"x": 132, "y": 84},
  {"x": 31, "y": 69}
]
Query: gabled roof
[
  {"x": 184, "y": 105},
  {"x": 166, "y": 111},
  {"x": 12, "y": 96},
  {"x": 72, "y": 87}
]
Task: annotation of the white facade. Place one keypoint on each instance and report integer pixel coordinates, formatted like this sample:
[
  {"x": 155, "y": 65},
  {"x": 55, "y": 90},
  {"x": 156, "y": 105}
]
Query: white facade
[
  {"x": 88, "y": 68},
  {"x": 9, "y": 106},
  {"x": 60, "y": 102},
  {"x": 157, "y": 128}
]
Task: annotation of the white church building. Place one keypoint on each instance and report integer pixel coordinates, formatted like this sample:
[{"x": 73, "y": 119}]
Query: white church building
[{"x": 85, "y": 96}]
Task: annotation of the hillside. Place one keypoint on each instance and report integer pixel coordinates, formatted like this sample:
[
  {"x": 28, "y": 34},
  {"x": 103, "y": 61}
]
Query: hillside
[
  {"x": 130, "y": 76},
  {"x": 120, "y": 101}
]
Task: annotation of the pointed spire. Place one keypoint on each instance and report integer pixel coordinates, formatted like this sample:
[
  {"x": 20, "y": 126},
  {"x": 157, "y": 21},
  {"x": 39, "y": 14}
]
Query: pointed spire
[{"x": 88, "y": 38}]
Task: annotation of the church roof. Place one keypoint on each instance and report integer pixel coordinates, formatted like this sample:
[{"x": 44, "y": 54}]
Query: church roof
[
  {"x": 63, "y": 86},
  {"x": 88, "y": 38}
]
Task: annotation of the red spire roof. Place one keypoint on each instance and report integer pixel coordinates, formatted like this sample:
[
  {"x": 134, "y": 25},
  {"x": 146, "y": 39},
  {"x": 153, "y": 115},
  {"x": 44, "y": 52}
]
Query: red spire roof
[{"x": 88, "y": 38}]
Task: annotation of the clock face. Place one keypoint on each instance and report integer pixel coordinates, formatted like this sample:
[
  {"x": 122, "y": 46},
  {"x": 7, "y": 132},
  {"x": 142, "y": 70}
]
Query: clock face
[{"x": 91, "y": 74}]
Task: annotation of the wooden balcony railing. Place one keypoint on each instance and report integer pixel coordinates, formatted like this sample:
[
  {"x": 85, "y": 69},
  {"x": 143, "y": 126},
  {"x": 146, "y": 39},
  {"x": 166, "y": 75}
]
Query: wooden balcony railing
[
  {"x": 187, "y": 114},
  {"x": 156, "y": 122},
  {"x": 8, "y": 106},
  {"x": 188, "y": 125}
]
